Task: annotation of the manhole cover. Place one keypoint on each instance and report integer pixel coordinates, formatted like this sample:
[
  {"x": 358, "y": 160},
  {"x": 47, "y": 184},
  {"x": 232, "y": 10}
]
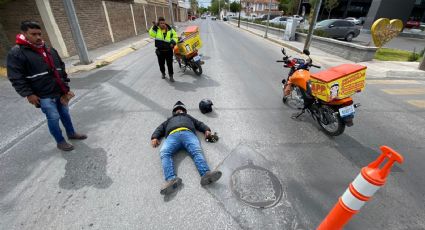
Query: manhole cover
[{"x": 256, "y": 186}]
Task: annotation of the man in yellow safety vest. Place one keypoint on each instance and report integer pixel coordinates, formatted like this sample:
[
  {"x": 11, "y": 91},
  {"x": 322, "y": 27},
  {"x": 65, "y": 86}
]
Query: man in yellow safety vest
[{"x": 165, "y": 40}]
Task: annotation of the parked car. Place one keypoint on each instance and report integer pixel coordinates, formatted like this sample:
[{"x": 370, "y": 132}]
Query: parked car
[
  {"x": 203, "y": 17},
  {"x": 338, "y": 28},
  {"x": 411, "y": 23},
  {"x": 225, "y": 18},
  {"x": 213, "y": 18},
  {"x": 279, "y": 20},
  {"x": 298, "y": 18},
  {"x": 272, "y": 16},
  {"x": 354, "y": 20}
]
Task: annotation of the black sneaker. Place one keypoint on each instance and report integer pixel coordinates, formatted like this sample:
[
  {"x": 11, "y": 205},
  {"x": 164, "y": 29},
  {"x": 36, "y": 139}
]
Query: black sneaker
[
  {"x": 171, "y": 78},
  {"x": 163, "y": 75},
  {"x": 210, "y": 177},
  {"x": 171, "y": 186}
]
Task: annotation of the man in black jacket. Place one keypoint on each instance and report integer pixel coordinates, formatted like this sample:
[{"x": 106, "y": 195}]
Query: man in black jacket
[
  {"x": 179, "y": 131},
  {"x": 38, "y": 73}
]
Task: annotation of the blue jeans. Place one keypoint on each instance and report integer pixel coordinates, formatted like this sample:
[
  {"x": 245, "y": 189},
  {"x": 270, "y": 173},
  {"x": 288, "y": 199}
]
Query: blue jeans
[
  {"x": 176, "y": 141},
  {"x": 56, "y": 111}
]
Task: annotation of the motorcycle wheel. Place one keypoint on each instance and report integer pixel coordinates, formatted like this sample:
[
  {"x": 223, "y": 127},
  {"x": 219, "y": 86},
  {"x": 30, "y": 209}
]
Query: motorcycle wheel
[
  {"x": 294, "y": 99},
  {"x": 330, "y": 122},
  {"x": 196, "y": 66}
]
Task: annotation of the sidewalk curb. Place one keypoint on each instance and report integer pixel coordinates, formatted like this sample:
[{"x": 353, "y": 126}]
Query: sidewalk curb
[
  {"x": 390, "y": 74},
  {"x": 3, "y": 72},
  {"x": 270, "y": 39},
  {"x": 110, "y": 57}
]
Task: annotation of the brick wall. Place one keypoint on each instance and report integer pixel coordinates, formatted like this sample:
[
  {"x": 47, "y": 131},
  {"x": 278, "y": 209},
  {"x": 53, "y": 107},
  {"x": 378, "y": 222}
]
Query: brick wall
[
  {"x": 139, "y": 17},
  {"x": 13, "y": 13},
  {"x": 91, "y": 17},
  {"x": 121, "y": 20},
  {"x": 150, "y": 14}
]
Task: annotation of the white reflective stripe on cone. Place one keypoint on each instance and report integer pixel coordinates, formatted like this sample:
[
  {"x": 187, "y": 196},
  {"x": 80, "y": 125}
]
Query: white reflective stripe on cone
[
  {"x": 351, "y": 201},
  {"x": 364, "y": 187}
]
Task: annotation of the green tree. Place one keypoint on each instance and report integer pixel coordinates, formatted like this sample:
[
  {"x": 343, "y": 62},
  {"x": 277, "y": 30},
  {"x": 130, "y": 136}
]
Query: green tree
[
  {"x": 235, "y": 7},
  {"x": 203, "y": 10},
  {"x": 4, "y": 1},
  {"x": 330, "y": 5},
  {"x": 214, "y": 6},
  {"x": 287, "y": 6},
  {"x": 193, "y": 5}
]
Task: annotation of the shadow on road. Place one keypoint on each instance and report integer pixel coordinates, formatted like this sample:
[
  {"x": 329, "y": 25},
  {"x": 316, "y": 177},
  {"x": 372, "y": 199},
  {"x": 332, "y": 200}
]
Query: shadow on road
[
  {"x": 357, "y": 153},
  {"x": 85, "y": 166},
  {"x": 202, "y": 81},
  {"x": 94, "y": 79},
  {"x": 140, "y": 98}
]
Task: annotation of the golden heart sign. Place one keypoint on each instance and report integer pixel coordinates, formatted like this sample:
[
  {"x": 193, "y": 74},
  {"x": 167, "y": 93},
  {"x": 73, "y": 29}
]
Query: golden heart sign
[{"x": 383, "y": 30}]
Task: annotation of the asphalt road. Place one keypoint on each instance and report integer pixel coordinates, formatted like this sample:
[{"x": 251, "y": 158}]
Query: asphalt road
[{"x": 112, "y": 179}]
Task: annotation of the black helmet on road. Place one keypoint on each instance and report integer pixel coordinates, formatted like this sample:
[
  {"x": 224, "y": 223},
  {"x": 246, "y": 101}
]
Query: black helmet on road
[{"x": 205, "y": 106}]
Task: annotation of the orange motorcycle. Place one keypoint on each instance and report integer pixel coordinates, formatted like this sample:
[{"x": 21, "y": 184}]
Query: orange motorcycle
[{"x": 326, "y": 95}]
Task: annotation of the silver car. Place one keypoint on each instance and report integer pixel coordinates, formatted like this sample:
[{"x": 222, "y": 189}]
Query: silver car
[{"x": 338, "y": 28}]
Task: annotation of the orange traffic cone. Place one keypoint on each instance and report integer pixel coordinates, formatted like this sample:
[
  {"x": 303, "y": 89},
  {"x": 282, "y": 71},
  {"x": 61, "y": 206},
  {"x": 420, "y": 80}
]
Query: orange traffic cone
[{"x": 369, "y": 180}]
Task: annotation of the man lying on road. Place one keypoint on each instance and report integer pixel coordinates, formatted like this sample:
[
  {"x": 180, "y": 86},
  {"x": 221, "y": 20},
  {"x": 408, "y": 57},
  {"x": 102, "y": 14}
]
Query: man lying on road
[{"x": 179, "y": 131}]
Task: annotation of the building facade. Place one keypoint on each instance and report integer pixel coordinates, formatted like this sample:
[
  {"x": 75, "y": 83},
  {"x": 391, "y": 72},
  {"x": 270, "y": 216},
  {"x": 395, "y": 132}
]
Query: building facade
[
  {"x": 258, "y": 8},
  {"x": 101, "y": 22}
]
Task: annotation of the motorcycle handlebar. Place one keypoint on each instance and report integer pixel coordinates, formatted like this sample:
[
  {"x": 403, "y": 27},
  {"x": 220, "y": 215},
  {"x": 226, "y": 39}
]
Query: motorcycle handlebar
[
  {"x": 280, "y": 61},
  {"x": 316, "y": 66}
]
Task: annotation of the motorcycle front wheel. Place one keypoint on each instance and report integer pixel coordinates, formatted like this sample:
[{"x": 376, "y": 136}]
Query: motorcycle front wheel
[
  {"x": 196, "y": 66},
  {"x": 330, "y": 121}
]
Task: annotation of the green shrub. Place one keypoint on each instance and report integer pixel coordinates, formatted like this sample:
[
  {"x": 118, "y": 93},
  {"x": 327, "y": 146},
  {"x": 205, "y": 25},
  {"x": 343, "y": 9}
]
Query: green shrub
[
  {"x": 421, "y": 54},
  {"x": 413, "y": 56}
]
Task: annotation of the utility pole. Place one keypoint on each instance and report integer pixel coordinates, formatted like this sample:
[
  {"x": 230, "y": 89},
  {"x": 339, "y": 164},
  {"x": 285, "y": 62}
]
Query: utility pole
[
  {"x": 219, "y": 13},
  {"x": 310, "y": 29},
  {"x": 299, "y": 7},
  {"x": 239, "y": 18},
  {"x": 170, "y": 5},
  {"x": 268, "y": 19},
  {"x": 76, "y": 32},
  {"x": 422, "y": 65}
]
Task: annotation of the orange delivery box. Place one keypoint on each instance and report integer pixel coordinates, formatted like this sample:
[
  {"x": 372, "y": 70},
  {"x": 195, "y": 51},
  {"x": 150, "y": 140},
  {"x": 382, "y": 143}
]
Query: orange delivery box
[{"x": 338, "y": 82}]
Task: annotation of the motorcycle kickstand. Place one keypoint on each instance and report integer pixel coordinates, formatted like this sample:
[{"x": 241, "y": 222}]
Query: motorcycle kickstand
[{"x": 297, "y": 115}]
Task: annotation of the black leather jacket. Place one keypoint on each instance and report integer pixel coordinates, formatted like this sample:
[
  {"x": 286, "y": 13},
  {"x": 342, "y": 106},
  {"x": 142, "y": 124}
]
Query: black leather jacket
[
  {"x": 178, "y": 121},
  {"x": 29, "y": 73}
]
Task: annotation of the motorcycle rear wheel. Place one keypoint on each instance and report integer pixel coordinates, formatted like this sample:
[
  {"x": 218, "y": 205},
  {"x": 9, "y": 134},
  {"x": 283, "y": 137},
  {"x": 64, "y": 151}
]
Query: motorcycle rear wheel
[
  {"x": 330, "y": 121},
  {"x": 196, "y": 66}
]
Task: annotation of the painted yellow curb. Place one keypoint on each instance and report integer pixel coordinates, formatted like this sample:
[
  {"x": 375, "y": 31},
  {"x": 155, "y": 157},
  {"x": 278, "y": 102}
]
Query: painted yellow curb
[
  {"x": 406, "y": 91},
  {"x": 417, "y": 103},
  {"x": 3, "y": 71},
  {"x": 118, "y": 54}
]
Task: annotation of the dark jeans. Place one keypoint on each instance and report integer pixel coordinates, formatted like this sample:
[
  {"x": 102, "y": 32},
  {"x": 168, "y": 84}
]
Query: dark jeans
[
  {"x": 56, "y": 111},
  {"x": 165, "y": 56}
]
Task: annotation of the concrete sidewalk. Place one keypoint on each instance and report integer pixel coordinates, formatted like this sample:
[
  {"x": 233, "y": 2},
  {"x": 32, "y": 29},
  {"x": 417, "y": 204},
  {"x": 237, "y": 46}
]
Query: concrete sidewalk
[{"x": 376, "y": 69}]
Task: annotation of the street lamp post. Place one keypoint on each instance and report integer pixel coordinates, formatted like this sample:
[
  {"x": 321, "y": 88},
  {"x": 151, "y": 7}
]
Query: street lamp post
[
  {"x": 83, "y": 54},
  {"x": 310, "y": 29},
  {"x": 268, "y": 19},
  {"x": 239, "y": 18}
]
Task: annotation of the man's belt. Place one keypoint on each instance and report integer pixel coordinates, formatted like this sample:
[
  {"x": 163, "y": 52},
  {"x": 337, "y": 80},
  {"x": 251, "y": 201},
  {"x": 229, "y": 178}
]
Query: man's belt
[{"x": 179, "y": 130}]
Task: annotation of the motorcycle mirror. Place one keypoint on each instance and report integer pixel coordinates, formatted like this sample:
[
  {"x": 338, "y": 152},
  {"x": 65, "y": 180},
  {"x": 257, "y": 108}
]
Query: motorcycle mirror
[
  {"x": 306, "y": 52},
  {"x": 283, "y": 51}
]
